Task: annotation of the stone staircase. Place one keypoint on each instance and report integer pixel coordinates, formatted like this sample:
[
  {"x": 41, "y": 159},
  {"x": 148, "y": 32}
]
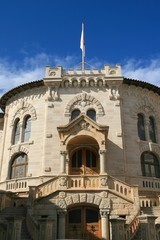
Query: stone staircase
[
  {"x": 154, "y": 211},
  {"x": 10, "y": 212},
  {"x": 24, "y": 231},
  {"x": 16, "y": 212},
  {"x": 138, "y": 235}
]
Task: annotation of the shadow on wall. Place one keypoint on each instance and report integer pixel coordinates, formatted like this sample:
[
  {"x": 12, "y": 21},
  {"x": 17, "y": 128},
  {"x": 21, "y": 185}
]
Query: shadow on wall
[{"x": 115, "y": 159}]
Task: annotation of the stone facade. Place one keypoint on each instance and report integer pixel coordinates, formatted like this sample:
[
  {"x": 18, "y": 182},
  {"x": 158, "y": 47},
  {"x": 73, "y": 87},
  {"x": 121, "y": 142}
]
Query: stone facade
[{"x": 85, "y": 143}]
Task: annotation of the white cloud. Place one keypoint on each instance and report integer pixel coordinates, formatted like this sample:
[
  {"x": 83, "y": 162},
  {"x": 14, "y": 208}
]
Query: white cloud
[
  {"x": 148, "y": 71},
  {"x": 29, "y": 69},
  {"x": 33, "y": 68}
]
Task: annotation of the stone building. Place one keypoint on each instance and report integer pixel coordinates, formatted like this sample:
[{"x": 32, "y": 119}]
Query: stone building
[{"x": 80, "y": 157}]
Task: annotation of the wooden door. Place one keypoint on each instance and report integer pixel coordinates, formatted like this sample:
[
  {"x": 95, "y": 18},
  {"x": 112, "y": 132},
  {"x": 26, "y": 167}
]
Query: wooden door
[
  {"x": 84, "y": 162},
  {"x": 83, "y": 223}
]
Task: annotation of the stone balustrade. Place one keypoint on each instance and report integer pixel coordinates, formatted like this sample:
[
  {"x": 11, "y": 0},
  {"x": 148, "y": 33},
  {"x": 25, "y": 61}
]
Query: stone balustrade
[
  {"x": 105, "y": 182},
  {"x": 132, "y": 228},
  {"x": 86, "y": 182},
  {"x": 32, "y": 226},
  {"x": 83, "y": 182},
  {"x": 17, "y": 185},
  {"x": 146, "y": 183},
  {"x": 120, "y": 188},
  {"x": 149, "y": 201},
  {"x": 153, "y": 184},
  {"x": 47, "y": 187}
]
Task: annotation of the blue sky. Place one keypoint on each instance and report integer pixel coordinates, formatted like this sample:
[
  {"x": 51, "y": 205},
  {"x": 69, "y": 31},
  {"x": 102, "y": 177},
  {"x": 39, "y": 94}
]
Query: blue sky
[{"x": 36, "y": 33}]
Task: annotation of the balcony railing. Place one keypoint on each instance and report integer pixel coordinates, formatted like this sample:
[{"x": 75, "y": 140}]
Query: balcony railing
[
  {"x": 146, "y": 183},
  {"x": 72, "y": 182},
  {"x": 69, "y": 182}
]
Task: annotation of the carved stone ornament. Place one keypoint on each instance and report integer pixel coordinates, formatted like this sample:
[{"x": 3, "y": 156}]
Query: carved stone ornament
[
  {"x": 104, "y": 213},
  {"x": 75, "y": 198},
  {"x": 104, "y": 181},
  {"x": 114, "y": 93},
  {"x": 53, "y": 93},
  {"x": 105, "y": 203},
  {"x": 97, "y": 200},
  {"x": 62, "y": 203},
  {"x": 62, "y": 195},
  {"x": 83, "y": 102},
  {"x": 52, "y": 73},
  {"x": 83, "y": 197},
  {"x": 62, "y": 213},
  {"x": 63, "y": 181},
  {"x": 104, "y": 194},
  {"x": 69, "y": 200},
  {"x": 84, "y": 125}
]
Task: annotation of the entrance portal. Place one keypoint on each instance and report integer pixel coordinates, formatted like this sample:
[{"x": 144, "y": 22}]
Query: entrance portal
[{"x": 83, "y": 223}]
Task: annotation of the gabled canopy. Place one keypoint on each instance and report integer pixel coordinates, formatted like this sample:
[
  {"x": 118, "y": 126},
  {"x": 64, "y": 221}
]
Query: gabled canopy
[{"x": 83, "y": 125}]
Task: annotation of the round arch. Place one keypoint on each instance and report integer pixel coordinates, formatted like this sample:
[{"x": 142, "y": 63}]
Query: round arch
[{"x": 88, "y": 100}]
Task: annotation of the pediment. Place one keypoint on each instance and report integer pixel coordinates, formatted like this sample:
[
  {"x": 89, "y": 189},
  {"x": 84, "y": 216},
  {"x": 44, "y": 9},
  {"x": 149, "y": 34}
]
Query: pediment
[{"x": 82, "y": 124}]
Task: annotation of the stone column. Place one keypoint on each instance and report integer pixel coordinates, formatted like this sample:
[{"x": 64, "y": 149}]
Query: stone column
[
  {"x": 148, "y": 230},
  {"x": 10, "y": 227},
  {"x": 118, "y": 230},
  {"x": 63, "y": 162},
  {"x": 50, "y": 229},
  {"x": 146, "y": 125},
  {"x": 102, "y": 162},
  {"x": 42, "y": 229},
  {"x": 21, "y": 132},
  {"x": 17, "y": 229},
  {"x": 105, "y": 224},
  {"x": 62, "y": 224}
]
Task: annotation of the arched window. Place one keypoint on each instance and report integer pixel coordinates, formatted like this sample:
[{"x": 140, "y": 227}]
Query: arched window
[
  {"x": 152, "y": 132},
  {"x": 92, "y": 114},
  {"x": 141, "y": 127},
  {"x": 19, "y": 166},
  {"x": 16, "y": 131},
  {"x": 27, "y": 128},
  {"x": 150, "y": 165},
  {"x": 75, "y": 113}
]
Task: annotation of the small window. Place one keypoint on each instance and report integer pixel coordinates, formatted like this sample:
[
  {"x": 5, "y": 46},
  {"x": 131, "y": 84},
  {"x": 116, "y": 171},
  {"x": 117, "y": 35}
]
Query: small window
[
  {"x": 141, "y": 127},
  {"x": 92, "y": 216},
  {"x": 150, "y": 165},
  {"x": 152, "y": 132},
  {"x": 27, "y": 129},
  {"x": 75, "y": 113},
  {"x": 16, "y": 129},
  {"x": 90, "y": 159},
  {"x": 92, "y": 114},
  {"x": 77, "y": 159},
  {"x": 75, "y": 216},
  {"x": 19, "y": 166}
]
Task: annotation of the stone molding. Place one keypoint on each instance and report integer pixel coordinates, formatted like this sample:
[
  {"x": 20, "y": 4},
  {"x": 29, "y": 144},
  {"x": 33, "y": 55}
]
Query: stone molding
[
  {"x": 145, "y": 107},
  {"x": 18, "y": 148},
  {"x": 83, "y": 102},
  {"x": 23, "y": 109},
  {"x": 87, "y": 198},
  {"x": 149, "y": 146}
]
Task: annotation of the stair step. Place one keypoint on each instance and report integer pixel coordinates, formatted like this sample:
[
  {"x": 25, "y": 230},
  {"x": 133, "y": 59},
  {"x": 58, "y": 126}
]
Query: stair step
[{"x": 24, "y": 231}]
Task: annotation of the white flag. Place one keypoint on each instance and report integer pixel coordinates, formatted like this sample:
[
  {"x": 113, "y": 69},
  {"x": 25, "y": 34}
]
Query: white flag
[{"x": 82, "y": 44}]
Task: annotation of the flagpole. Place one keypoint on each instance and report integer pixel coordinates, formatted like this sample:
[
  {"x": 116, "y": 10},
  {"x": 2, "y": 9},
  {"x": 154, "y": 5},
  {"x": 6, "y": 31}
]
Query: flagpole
[
  {"x": 83, "y": 49},
  {"x": 82, "y": 46}
]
